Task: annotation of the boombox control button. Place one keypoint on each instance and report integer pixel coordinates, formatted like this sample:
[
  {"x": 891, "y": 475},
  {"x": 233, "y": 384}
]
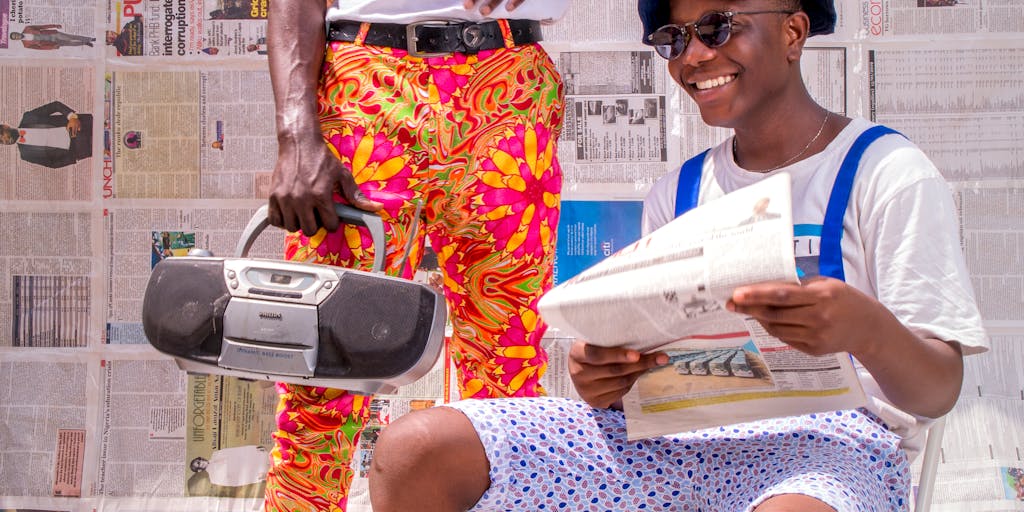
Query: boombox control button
[
  {"x": 328, "y": 285},
  {"x": 234, "y": 285},
  {"x": 231, "y": 274}
]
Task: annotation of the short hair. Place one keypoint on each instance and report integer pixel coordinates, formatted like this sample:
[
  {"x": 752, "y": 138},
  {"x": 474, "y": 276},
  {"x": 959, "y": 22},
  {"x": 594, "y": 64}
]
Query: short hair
[
  {"x": 19, "y": 35},
  {"x": 198, "y": 464}
]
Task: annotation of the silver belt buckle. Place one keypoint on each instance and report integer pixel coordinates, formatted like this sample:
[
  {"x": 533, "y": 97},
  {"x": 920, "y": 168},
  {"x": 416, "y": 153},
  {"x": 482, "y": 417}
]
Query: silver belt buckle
[{"x": 411, "y": 41}]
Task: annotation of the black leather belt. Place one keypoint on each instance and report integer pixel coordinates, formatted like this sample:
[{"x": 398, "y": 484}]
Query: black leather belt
[{"x": 437, "y": 38}]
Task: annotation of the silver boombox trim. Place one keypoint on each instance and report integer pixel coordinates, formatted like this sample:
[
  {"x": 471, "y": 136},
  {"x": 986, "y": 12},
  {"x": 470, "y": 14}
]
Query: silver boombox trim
[{"x": 272, "y": 323}]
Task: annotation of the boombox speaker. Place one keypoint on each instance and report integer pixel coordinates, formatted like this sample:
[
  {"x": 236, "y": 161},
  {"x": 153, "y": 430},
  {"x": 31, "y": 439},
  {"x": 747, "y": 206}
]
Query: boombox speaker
[{"x": 301, "y": 323}]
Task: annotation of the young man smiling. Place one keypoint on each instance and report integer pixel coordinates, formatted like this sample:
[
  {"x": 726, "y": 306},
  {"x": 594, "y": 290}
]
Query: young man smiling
[{"x": 888, "y": 286}]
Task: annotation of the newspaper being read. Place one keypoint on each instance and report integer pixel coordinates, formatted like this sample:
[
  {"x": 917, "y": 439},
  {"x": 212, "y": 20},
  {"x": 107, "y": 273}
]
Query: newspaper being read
[{"x": 667, "y": 292}]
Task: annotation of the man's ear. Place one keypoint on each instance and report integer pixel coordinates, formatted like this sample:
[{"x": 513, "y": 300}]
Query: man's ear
[{"x": 796, "y": 29}]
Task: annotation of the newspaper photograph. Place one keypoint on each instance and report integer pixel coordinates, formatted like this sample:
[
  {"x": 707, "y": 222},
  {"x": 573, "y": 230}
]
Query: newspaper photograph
[
  {"x": 186, "y": 28},
  {"x": 47, "y": 140},
  {"x": 667, "y": 292},
  {"x": 36, "y": 28}
]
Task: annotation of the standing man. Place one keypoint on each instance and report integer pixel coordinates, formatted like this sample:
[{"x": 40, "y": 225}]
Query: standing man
[
  {"x": 52, "y": 135},
  {"x": 47, "y": 37},
  {"x": 443, "y": 117}
]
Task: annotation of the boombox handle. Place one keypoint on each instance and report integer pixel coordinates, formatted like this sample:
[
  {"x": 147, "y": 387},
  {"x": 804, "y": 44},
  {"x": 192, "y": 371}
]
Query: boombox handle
[{"x": 372, "y": 221}]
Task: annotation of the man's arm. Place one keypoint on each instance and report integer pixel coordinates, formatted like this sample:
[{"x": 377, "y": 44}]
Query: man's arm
[
  {"x": 307, "y": 173},
  {"x": 47, "y": 112}
]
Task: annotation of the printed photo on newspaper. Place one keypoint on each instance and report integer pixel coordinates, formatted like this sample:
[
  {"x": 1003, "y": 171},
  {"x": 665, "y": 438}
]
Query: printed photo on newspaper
[{"x": 667, "y": 292}]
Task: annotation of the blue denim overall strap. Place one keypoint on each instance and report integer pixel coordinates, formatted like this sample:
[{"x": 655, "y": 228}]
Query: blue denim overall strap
[{"x": 830, "y": 258}]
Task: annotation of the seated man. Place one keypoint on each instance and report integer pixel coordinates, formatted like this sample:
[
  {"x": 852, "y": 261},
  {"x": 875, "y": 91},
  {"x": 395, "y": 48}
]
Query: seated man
[{"x": 900, "y": 271}]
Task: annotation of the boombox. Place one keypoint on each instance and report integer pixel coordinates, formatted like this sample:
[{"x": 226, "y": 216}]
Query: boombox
[{"x": 302, "y": 323}]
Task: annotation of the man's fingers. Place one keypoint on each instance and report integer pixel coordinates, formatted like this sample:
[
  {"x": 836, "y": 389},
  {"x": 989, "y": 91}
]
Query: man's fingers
[
  {"x": 355, "y": 196},
  {"x": 327, "y": 216}
]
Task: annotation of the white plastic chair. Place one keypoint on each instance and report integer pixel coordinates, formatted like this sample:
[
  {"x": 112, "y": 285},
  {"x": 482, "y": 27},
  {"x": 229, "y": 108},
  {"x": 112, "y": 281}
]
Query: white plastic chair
[{"x": 929, "y": 466}]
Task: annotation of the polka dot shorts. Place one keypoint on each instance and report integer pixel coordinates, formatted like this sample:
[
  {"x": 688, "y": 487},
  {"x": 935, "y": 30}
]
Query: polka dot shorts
[{"x": 559, "y": 454}]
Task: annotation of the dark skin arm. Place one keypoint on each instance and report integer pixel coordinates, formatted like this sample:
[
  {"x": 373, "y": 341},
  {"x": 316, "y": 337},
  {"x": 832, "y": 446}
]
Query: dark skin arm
[
  {"x": 602, "y": 375},
  {"x": 306, "y": 174},
  {"x": 825, "y": 316}
]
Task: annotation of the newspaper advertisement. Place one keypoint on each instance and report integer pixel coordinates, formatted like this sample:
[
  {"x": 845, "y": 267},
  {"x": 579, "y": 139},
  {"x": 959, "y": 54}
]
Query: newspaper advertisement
[
  {"x": 667, "y": 292},
  {"x": 190, "y": 134},
  {"x": 227, "y": 439},
  {"x": 44, "y": 450},
  {"x": 142, "y": 237},
  {"x": 48, "y": 134},
  {"x": 186, "y": 28},
  {"x": 34, "y": 28},
  {"x": 614, "y": 128}
]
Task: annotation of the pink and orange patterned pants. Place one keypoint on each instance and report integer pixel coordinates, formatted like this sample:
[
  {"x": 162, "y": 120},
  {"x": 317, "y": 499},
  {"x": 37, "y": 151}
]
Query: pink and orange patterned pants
[{"x": 473, "y": 138}]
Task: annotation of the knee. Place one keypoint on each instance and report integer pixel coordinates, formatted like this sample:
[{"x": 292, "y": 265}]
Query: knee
[{"x": 432, "y": 456}]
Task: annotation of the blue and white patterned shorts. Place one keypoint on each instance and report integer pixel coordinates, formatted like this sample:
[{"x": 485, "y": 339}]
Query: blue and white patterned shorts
[{"x": 560, "y": 454}]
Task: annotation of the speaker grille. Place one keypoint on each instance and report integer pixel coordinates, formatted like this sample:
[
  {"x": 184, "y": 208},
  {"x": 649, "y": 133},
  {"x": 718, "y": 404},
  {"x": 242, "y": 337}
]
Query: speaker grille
[
  {"x": 373, "y": 327},
  {"x": 183, "y": 307}
]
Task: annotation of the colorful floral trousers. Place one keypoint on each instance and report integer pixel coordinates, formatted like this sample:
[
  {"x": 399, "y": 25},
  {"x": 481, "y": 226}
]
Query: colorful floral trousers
[{"x": 469, "y": 142}]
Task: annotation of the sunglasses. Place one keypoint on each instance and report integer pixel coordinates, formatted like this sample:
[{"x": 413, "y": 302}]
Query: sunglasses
[{"x": 713, "y": 29}]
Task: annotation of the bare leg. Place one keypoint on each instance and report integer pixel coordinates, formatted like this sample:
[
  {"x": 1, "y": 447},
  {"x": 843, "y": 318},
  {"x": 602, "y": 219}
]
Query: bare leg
[
  {"x": 428, "y": 460},
  {"x": 793, "y": 503}
]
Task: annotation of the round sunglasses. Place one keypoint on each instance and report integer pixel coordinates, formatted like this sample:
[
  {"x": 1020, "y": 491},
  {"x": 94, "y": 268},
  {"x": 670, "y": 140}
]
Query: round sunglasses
[{"x": 713, "y": 29}]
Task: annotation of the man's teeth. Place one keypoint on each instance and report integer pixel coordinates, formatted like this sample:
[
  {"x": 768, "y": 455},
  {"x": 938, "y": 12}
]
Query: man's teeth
[{"x": 714, "y": 82}]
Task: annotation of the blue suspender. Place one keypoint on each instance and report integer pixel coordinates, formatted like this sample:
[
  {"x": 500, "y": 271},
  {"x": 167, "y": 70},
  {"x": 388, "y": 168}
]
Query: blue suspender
[
  {"x": 688, "y": 190},
  {"x": 830, "y": 259}
]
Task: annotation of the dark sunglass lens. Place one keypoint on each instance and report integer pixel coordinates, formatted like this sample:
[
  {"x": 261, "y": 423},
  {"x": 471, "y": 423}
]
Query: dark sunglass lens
[
  {"x": 668, "y": 41},
  {"x": 713, "y": 29}
]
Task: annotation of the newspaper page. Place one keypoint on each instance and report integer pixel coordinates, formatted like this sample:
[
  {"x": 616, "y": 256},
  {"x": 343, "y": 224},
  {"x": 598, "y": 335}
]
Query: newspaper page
[
  {"x": 667, "y": 292},
  {"x": 44, "y": 446},
  {"x": 614, "y": 128},
  {"x": 180, "y": 29},
  {"x": 991, "y": 223},
  {"x": 190, "y": 134},
  {"x": 143, "y": 237},
  {"x": 923, "y": 19},
  {"x": 142, "y": 427},
  {"x": 48, "y": 288},
  {"x": 964, "y": 107},
  {"x": 40, "y": 29},
  {"x": 51, "y": 108}
]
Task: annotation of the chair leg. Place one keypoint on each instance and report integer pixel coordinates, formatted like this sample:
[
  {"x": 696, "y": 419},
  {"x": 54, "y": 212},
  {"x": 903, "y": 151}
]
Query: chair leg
[{"x": 929, "y": 466}]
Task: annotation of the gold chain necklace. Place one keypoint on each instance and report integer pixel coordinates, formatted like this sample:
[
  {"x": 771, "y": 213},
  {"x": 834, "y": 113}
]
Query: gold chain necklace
[{"x": 821, "y": 130}]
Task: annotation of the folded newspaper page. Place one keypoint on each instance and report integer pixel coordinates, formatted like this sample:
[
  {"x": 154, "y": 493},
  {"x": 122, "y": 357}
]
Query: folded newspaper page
[{"x": 667, "y": 293}]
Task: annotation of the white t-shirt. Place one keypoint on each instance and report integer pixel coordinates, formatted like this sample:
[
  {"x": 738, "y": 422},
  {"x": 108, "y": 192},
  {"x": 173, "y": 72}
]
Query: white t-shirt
[
  {"x": 901, "y": 242},
  {"x": 408, "y": 11}
]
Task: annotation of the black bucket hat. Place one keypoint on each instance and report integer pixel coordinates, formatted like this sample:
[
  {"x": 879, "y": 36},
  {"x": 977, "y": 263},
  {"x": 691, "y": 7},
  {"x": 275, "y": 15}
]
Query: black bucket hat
[{"x": 655, "y": 14}]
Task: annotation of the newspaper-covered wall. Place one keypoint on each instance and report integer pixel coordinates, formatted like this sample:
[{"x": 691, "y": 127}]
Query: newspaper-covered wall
[{"x": 174, "y": 151}]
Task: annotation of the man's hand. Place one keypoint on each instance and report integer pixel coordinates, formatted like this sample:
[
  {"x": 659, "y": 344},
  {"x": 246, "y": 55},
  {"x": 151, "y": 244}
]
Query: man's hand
[
  {"x": 488, "y": 6},
  {"x": 603, "y": 375},
  {"x": 74, "y": 126},
  {"x": 302, "y": 189},
  {"x": 823, "y": 316}
]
